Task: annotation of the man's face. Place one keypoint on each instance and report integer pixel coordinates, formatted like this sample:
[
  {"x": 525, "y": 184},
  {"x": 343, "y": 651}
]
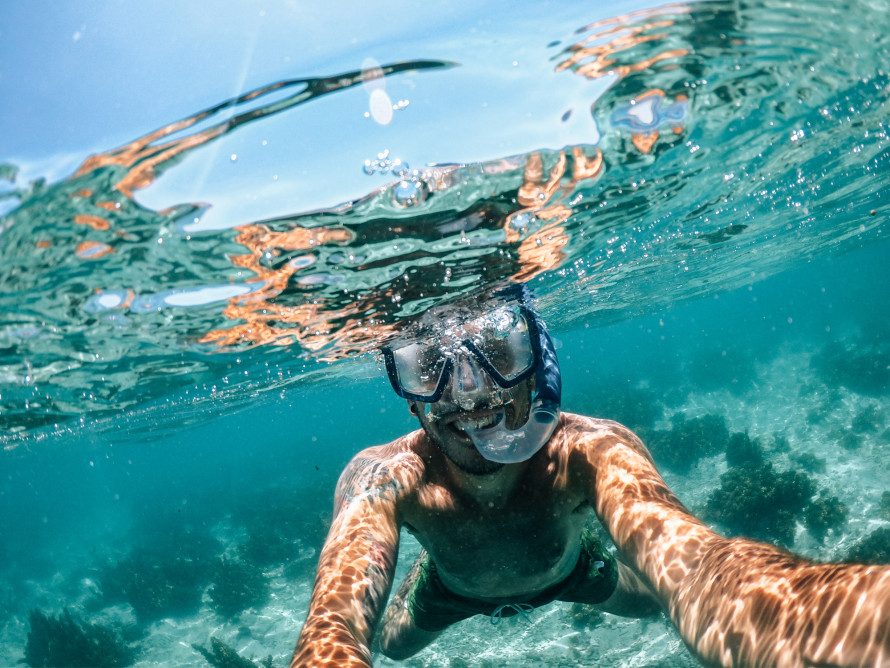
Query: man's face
[{"x": 443, "y": 420}]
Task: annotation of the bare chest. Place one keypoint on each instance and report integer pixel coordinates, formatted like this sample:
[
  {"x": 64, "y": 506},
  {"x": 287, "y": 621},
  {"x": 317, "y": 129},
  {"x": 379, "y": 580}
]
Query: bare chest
[{"x": 506, "y": 549}]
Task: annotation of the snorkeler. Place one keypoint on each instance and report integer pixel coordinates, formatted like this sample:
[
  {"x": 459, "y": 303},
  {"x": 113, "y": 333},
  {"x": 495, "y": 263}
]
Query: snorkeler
[{"x": 497, "y": 487}]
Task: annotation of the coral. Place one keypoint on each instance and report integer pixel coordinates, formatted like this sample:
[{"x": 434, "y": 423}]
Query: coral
[
  {"x": 823, "y": 514},
  {"x": 741, "y": 450},
  {"x": 873, "y": 549},
  {"x": 809, "y": 462},
  {"x": 237, "y": 585},
  {"x": 757, "y": 501},
  {"x": 222, "y": 655},
  {"x": 68, "y": 641},
  {"x": 862, "y": 365},
  {"x": 689, "y": 441},
  {"x": 584, "y": 616},
  {"x": 868, "y": 420}
]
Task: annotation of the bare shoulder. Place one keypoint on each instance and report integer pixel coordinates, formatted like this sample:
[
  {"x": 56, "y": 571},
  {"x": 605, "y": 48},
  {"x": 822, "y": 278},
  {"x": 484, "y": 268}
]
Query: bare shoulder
[
  {"x": 381, "y": 473},
  {"x": 583, "y": 430},
  {"x": 592, "y": 437}
]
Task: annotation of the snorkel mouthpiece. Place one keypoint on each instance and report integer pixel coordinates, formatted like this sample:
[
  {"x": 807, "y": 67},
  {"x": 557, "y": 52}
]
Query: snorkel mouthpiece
[{"x": 505, "y": 446}]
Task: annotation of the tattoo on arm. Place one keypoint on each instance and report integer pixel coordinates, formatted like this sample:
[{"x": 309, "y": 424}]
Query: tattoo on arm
[{"x": 368, "y": 478}]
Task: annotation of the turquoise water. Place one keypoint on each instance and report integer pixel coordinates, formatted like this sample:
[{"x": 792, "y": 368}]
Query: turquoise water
[{"x": 197, "y": 270}]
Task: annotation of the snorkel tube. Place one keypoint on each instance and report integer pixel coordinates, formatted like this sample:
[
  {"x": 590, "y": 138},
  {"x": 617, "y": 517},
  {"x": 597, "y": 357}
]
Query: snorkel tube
[{"x": 509, "y": 446}]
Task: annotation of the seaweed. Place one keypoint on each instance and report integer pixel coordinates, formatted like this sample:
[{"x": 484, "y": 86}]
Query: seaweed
[
  {"x": 156, "y": 586},
  {"x": 161, "y": 578},
  {"x": 222, "y": 655},
  {"x": 689, "y": 441},
  {"x": 809, "y": 461},
  {"x": 873, "y": 549},
  {"x": 69, "y": 641},
  {"x": 780, "y": 443},
  {"x": 742, "y": 450},
  {"x": 845, "y": 438},
  {"x": 824, "y": 514},
  {"x": 237, "y": 585},
  {"x": 759, "y": 502},
  {"x": 278, "y": 523}
]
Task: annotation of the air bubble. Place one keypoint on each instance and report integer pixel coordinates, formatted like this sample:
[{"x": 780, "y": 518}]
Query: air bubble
[
  {"x": 520, "y": 220},
  {"x": 409, "y": 193}
]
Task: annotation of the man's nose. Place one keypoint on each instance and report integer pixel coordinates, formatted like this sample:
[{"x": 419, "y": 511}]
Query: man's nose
[{"x": 470, "y": 385}]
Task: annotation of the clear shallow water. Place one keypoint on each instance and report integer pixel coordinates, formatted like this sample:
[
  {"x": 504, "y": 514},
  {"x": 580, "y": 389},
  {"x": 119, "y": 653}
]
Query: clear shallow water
[{"x": 185, "y": 317}]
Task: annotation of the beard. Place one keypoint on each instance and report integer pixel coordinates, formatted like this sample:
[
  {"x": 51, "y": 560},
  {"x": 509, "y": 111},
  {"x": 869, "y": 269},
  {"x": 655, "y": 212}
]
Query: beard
[
  {"x": 467, "y": 459},
  {"x": 459, "y": 449},
  {"x": 438, "y": 423}
]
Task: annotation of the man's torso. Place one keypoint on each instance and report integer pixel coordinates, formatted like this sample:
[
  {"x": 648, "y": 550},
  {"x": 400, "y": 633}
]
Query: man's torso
[{"x": 509, "y": 547}]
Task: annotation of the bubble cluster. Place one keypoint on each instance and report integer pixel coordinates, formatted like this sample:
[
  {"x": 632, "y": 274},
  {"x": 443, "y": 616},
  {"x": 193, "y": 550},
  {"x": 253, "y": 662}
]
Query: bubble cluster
[{"x": 383, "y": 164}]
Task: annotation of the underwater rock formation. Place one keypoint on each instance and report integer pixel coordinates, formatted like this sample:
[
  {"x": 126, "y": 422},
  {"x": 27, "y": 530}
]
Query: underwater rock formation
[
  {"x": 237, "y": 585},
  {"x": 689, "y": 440},
  {"x": 69, "y": 641},
  {"x": 742, "y": 450},
  {"x": 873, "y": 549},
  {"x": 861, "y": 365},
  {"x": 824, "y": 514},
  {"x": 222, "y": 655},
  {"x": 758, "y": 502}
]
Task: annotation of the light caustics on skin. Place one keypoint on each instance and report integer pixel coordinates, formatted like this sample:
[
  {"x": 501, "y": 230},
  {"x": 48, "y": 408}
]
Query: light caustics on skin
[{"x": 735, "y": 602}]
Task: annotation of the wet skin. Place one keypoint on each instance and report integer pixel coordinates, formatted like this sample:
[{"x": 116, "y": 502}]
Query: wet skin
[
  {"x": 734, "y": 602},
  {"x": 496, "y": 532}
]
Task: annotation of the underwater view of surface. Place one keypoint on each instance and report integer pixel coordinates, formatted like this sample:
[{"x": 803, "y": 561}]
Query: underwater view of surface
[{"x": 209, "y": 223}]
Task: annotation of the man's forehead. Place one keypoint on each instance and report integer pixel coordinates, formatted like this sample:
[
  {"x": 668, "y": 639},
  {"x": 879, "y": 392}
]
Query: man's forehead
[{"x": 463, "y": 319}]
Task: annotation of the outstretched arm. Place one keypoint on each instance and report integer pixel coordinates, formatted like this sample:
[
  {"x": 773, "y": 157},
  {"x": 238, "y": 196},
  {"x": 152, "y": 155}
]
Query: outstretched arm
[
  {"x": 735, "y": 602},
  {"x": 356, "y": 566}
]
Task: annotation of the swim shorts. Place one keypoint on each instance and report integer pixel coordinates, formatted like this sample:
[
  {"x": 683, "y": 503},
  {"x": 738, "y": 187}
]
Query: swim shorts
[{"x": 433, "y": 607}]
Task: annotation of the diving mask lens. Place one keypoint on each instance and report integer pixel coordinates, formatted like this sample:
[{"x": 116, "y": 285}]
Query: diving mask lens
[
  {"x": 419, "y": 367},
  {"x": 505, "y": 344},
  {"x": 499, "y": 343}
]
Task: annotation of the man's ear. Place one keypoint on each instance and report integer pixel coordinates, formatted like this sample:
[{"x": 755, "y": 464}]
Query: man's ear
[{"x": 412, "y": 406}]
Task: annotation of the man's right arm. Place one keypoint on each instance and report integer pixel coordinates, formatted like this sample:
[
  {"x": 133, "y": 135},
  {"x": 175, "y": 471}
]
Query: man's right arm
[{"x": 356, "y": 565}]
